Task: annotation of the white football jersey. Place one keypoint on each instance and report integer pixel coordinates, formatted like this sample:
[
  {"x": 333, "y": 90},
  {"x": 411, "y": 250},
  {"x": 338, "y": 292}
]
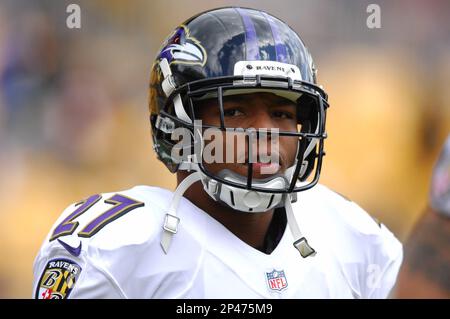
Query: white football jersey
[{"x": 108, "y": 246}]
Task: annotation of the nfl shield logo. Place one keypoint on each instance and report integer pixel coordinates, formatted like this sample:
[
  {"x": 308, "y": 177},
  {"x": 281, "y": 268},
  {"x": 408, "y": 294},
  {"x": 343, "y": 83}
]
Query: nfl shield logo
[{"x": 276, "y": 280}]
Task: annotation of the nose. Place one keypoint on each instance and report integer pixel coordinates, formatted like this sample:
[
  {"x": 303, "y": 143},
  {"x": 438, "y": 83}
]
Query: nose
[
  {"x": 262, "y": 145},
  {"x": 261, "y": 119}
]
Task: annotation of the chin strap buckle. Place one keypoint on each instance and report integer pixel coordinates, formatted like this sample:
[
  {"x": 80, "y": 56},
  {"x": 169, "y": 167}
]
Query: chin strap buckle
[
  {"x": 300, "y": 244},
  {"x": 171, "y": 221},
  {"x": 170, "y": 228},
  {"x": 304, "y": 248}
]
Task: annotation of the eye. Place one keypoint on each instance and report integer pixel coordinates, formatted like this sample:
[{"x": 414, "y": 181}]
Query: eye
[
  {"x": 283, "y": 115},
  {"x": 232, "y": 112}
]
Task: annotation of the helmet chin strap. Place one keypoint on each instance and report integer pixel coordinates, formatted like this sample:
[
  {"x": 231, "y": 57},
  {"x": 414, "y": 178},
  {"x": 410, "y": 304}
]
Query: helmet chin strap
[
  {"x": 171, "y": 220},
  {"x": 244, "y": 199},
  {"x": 300, "y": 243}
]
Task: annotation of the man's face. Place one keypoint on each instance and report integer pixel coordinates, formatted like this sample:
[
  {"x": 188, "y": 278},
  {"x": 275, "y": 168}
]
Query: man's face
[{"x": 259, "y": 111}]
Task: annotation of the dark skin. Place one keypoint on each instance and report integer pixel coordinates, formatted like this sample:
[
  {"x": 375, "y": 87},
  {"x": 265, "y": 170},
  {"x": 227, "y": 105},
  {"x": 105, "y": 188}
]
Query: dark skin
[
  {"x": 256, "y": 110},
  {"x": 425, "y": 270}
]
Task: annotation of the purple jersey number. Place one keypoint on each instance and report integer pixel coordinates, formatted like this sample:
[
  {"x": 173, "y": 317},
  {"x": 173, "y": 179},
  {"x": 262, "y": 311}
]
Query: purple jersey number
[
  {"x": 68, "y": 226},
  {"x": 122, "y": 205}
]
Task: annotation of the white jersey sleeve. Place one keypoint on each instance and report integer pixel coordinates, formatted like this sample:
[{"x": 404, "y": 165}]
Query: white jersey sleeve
[
  {"x": 383, "y": 271},
  {"x": 381, "y": 255},
  {"x": 369, "y": 255},
  {"x": 92, "y": 248}
]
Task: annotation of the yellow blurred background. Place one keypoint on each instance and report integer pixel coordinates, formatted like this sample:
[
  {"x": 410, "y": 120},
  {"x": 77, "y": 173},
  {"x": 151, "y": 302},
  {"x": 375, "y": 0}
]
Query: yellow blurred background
[{"x": 74, "y": 122}]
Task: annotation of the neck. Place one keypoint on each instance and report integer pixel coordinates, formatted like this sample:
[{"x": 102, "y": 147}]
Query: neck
[{"x": 251, "y": 228}]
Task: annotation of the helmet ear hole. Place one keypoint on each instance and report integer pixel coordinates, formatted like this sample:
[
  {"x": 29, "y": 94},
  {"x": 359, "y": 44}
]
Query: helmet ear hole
[
  {"x": 310, "y": 159},
  {"x": 307, "y": 107},
  {"x": 307, "y": 116}
]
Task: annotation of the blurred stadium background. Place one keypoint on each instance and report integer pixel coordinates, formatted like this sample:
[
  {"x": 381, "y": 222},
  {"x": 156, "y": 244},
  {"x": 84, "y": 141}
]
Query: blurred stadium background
[{"x": 74, "y": 122}]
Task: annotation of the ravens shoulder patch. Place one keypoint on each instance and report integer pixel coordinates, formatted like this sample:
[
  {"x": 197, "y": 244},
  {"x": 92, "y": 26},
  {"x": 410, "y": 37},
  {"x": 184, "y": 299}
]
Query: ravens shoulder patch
[{"x": 58, "y": 279}]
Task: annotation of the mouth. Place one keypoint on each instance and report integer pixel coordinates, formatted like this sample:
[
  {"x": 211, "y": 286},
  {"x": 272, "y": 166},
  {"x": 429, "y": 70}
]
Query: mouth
[
  {"x": 266, "y": 168},
  {"x": 261, "y": 169}
]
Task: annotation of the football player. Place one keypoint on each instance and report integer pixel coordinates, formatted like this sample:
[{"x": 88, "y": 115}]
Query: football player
[{"x": 237, "y": 114}]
